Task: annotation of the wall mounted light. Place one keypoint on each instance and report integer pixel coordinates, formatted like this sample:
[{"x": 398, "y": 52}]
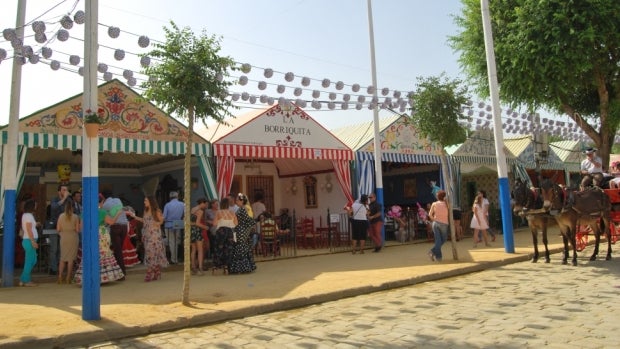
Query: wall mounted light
[
  {"x": 292, "y": 188},
  {"x": 327, "y": 186}
]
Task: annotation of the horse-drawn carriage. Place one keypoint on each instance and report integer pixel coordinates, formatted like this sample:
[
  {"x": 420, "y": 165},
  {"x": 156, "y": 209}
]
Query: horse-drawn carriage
[
  {"x": 583, "y": 231},
  {"x": 573, "y": 211}
]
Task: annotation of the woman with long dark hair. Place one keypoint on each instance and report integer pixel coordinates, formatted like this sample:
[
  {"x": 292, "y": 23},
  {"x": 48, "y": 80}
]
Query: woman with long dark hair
[
  {"x": 154, "y": 249},
  {"x": 242, "y": 260}
]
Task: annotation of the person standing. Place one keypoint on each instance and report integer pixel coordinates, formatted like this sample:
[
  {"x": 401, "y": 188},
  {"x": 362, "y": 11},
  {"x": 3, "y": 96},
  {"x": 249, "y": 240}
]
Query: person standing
[
  {"x": 478, "y": 221},
  {"x": 375, "y": 218},
  {"x": 438, "y": 214},
  {"x": 359, "y": 221},
  {"x": 56, "y": 208},
  {"x": 29, "y": 243},
  {"x": 173, "y": 211},
  {"x": 486, "y": 206},
  {"x": 68, "y": 227},
  {"x": 241, "y": 259},
  {"x": 197, "y": 237},
  {"x": 154, "y": 249},
  {"x": 118, "y": 229},
  {"x": 225, "y": 221},
  {"x": 77, "y": 202}
]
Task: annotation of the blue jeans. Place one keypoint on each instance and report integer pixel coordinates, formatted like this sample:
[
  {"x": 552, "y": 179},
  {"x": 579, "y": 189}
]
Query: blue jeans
[
  {"x": 440, "y": 232},
  {"x": 29, "y": 261}
]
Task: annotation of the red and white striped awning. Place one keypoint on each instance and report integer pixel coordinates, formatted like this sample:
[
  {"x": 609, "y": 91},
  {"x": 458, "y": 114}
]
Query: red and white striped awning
[{"x": 254, "y": 151}]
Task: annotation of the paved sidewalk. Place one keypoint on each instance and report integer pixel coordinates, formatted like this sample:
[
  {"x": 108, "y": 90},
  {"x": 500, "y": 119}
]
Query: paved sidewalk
[{"x": 50, "y": 315}]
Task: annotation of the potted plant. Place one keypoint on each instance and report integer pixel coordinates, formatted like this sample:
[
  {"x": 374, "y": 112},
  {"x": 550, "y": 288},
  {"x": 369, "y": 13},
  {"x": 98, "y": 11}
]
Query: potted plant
[{"x": 92, "y": 122}]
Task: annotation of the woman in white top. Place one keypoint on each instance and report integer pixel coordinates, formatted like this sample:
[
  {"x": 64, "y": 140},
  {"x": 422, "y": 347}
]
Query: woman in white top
[
  {"x": 224, "y": 221},
  {"x": 358, "y": 212},
  {"x": 479, "y": 221},
  {"x": 29, "y": 243}
]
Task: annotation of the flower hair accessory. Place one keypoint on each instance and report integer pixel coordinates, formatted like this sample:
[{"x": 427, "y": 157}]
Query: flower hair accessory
[{"x": 394, "y": 212}]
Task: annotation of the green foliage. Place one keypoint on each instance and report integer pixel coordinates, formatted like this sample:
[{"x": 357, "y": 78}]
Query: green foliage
[
  {"x": 437, "y": 104},
  {"x": 561, "y": 55},
  {"x": 189, "y": 73}
]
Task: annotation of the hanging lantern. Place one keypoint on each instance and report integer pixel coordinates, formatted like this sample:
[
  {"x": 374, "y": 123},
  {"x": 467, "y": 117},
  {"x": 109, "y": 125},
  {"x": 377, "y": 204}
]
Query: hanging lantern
[
  {"x": 280, "y": 89},
  {"x": 355, "y": 87},
  {"x": 246, "y": 68},
  {"x": 331, "y": 105},
  {"x": 387, "y": 100},
  {"x": 316, "y": 94},
  {"x": 119, "y": 54},
  {"x": 66, "y": 22},
  {"x": 358, "y": 106},
  {"x": 270, "y": 101},
  {"x": 298, "y": 91},
  {"x": 262, "y": 85},
  {"x": 302, "y": 104},
  {"x": 127, "y": 74},
  {"x": 81, "y": 71},
  {"x": 38, "y": 26},
  {"x": 253, "y": 99},
  {"x": 102, "y": 67},
  {"x": 46, "y": 52},
  {"x": 219, "y": 77},
  {"x": 34, "y": 59},
  {"x": 2, "y": 54},
  {"x": 144, "y": 41},
  {"x": 283, "y": 102},
  {"x": 289, "y": 76},
  {"x": 361, "y": 99},
  {"x": 339, "y": 85},
  {"x": 243, "y": 80},
  {"x": 79, "y": 17},
  {"x": 235, "y": 97},
  {"x": 385, "y": 91},
  {"x": 9, "y": 34},
  {"x": 62, "y": 35},
  {"x": 268, "y": 73},
  {"x": 74, "y": 59},
  {"x": 145, "y": 61},
  {"x": 114, "y": 32},
  {"x": 332, "y": 95},
  {"x": 245, "y": 96},
  {"x": 107, "y": 76},
  {"x": 40, "y": 38},
  {"x": 263, "y": 99},
  {"x": 346, "y": 97},
  {"x": 305, "y": 81},
  {"x": 16, "y": 43},
  {"x": 396, "y": 94},
  {"x": 299, "y": 102},
  {"x": 325, "y": 83},
  {"x": 55, "y": 65},
  {"x": 344, "y": 106},
  {"x": 370, "y": 89},
  {"x": 316, "y": 104},
  {"x": 27, "y": 51}
]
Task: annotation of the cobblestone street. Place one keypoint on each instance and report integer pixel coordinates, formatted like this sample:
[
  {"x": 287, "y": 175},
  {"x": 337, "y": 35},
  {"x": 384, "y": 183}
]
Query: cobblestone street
[{"x": 522, "y": 305}]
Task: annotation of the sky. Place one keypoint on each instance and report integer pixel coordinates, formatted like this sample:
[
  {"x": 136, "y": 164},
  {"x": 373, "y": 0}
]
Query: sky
[{"x": 320, "y": 39}]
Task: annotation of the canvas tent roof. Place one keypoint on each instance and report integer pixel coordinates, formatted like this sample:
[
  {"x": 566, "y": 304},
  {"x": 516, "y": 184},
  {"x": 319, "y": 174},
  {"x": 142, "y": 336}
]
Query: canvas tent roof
[
  {"x": 524, "y": 148},
  {"x": 399, "y": 139},
  {"x": 281, "y": 136},
  {"x": 569, "y": 152},
  {"x": 132, "y": 127}
]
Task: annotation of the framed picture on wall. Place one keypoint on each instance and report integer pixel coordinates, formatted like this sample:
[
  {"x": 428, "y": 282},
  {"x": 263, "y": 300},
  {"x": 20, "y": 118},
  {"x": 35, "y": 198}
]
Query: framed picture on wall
[
  {"x": 310, "y": 192},
  {"x": 409, "y": 188}
]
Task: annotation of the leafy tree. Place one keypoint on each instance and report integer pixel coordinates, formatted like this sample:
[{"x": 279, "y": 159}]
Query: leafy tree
[
  {"x": 188, "y": 80},
  {"x": 437, "y": 103},
  {"x": 556, "y": 54}
]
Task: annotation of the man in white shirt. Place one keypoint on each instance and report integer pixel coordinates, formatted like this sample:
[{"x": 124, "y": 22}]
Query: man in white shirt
[{"x": 592, "y": 163}]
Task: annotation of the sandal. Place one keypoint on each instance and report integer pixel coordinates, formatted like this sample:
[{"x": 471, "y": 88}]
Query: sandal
[{"x": 28, "y": 284}]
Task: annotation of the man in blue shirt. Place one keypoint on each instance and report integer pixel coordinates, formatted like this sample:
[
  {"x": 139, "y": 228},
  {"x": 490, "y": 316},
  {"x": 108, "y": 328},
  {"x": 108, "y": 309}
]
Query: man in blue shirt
[
  {"x": 118, "y": 230},
  {"x": 173, "y": 211}
]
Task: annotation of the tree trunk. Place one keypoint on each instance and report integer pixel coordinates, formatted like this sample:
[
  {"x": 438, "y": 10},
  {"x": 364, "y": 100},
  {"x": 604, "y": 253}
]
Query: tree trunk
[
  {"x": 187, "y": 200},
  {"x": 448, "y": 184}
]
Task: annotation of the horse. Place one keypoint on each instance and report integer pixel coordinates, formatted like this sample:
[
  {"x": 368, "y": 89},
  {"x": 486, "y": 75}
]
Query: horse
[
  {"x": 590, "y": 207},
  {"x": 526, "y": 202}
]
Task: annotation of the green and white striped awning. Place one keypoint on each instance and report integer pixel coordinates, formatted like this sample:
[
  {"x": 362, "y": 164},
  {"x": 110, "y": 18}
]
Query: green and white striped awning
[{"x": 113, "y": 145}]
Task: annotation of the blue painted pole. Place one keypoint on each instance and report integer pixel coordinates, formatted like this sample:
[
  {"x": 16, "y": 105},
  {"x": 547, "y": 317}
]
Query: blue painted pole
[
  {"x": 91, "y": 282},
  {"x": 502, "y": 170},
  {"x": 9, "y": 173}
]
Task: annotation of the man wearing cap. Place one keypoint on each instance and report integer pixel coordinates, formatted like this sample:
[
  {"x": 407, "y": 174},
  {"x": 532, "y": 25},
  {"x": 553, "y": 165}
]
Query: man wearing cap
[
  {"x": 592, "y": 163},
  {"x": 173, "y": 211}
]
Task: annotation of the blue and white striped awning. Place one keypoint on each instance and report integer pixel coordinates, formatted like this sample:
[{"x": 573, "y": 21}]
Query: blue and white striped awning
[
  {"x": 399, "y": 157},
  {"x": 113, "y": 145}
]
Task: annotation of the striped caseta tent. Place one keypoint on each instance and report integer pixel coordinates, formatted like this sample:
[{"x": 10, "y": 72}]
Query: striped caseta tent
[
  {"x": 133, "y": 131},
  {"x": 400, "y": 142},
  {"x": 288, "y": 136}
]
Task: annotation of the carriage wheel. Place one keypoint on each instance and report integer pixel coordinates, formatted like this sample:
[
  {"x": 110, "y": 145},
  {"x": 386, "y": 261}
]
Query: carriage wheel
[{"x": 581, "y": 239}]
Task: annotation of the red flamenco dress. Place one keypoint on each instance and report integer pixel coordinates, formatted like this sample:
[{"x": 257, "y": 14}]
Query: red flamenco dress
[{"x": 130, "y": 255}]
